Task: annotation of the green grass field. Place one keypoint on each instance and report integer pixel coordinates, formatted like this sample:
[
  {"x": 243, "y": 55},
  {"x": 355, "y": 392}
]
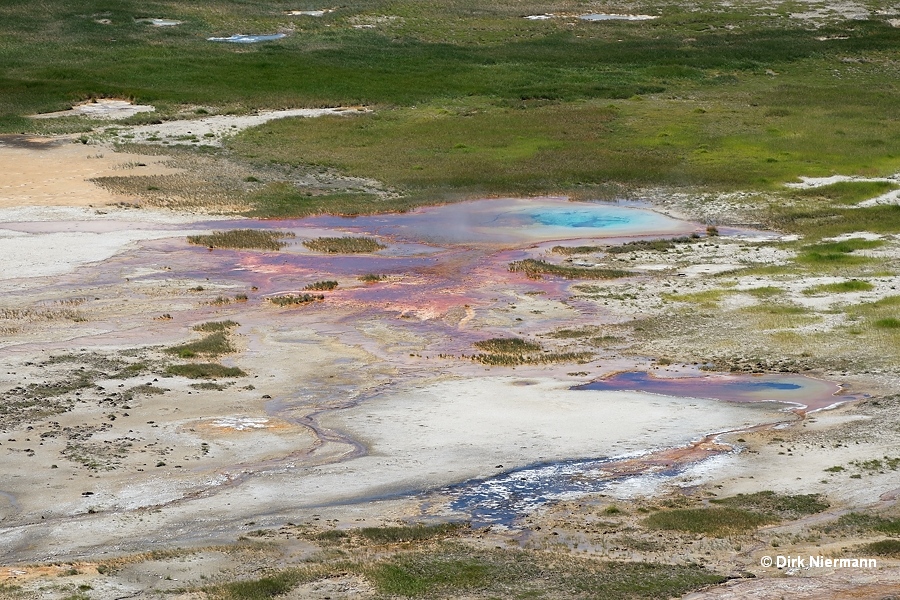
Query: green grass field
[{"x": 473, "y": 99}]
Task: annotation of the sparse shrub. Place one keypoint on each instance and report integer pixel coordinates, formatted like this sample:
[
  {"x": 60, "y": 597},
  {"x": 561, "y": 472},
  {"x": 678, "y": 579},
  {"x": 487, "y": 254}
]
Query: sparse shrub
[
  {"x": 321, "y": 286},
  {"x": 295, "y": 300},
  {"x": 888, "y": 323},
  {"x": 507, "y": 346},
  {"x": 889, "y": 548},
  {"x": 853, "y": 285},
  {"x": 391, "y": 535},
  {"x": 212, "y": 326},
  {"x": 769, "y": 503},
  {"x": 709, "y": 521},
  {"x": 344, "y": 245},
  {"x": 535, "y": 269},
  {"x": 652, "y": 245},
  {"x": 570, "y": 250},
  {"x": 214, "y": 344},
  {"x": 204, "y": 371},
  {"x": 243, "y": 239}
]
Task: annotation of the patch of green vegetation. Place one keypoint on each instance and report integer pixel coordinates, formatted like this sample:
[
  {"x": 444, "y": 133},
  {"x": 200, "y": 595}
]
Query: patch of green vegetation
[
  {"x": 344, "y": 245},
  {"x": 765, "y": 292},
  {"x": 451, "y": 571},
  {"x": 705, "y": 299},
  {"x": 478, "y": 145},
  {"x": 77, "y": 380},
  {"x": 264, "y": 588},
  {"x": 282, "y": 200},
  {"x": 204, "y": 371},
  {"x": 887, "y": 323},
  {"x": 241, "y": 239},
  {"x": 507, "y": 346},
  {"x": 215, "y": 344},
  {"x": 890, "y": 548},
  {"x": 849, "y": 192},
  {"x": 877, "y": 464},
  {"x": 568, "y": 334},
  {"x": 406, "y": 576},
  {"x": 879, "y": 315},
  {"x": 707, "y": 521},
  {"x": 372, "y": 278},
  {"x": 836, "y": 252},
  {"x": 412, "y": 533},
  {"x": 770, "y": 315},
  {"x": 639, "y": 544},
  {"x": 209, "y": 385},
  {"x": 857, "y": 523},
  {"x": 332, "y": 535},
  {"x": 535, "y": 269},
  {"x": 841, "y": 287},
  {"x": 511, "y": 360},
  {"x": 820, "y": 222},
  {"x": 296, "y": 300},
  {"x": 322, "y": 286},
  {"x": 776, "y": 505},
  {"x": 572, "y": 250},
  {"x": 652, "y": 245},
  {"x": 510, "y": 352},
  {"x": 145, "y": 389},
  {"x": 216, "y": 326}
]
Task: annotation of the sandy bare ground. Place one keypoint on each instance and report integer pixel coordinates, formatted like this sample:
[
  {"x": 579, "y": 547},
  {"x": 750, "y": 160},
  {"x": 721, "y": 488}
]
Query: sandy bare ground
[{"x": 57, "y": 172}]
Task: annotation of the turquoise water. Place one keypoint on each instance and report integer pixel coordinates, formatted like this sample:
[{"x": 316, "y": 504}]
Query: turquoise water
[
  {"x": 514, "y": 221},
  {"x": 582, "y": 218}
]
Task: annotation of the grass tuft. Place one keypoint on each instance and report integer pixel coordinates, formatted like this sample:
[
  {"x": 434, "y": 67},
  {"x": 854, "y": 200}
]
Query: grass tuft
[
  {"x": 243, "y": 239},
  {"x": 836, "y": 251},
  {"x": 849, "y": 192},
  {"x": 535, "y": 269},
  {"x": 888, "y": 323},
  {"x": 777, "y": 505},
  {"x": 707, "y": 521},
  {"x": 344, "y": 245},
  {"x": 204, "y": 371},
  {"x": 890, "y": 548},
  {"x": 214, "y": 344},
  {"x": 841, "y": 287},
  {"x": 216, "y": 326},
  {"x": 507, "y": 346},
  {"x": 652, "y": 245},
  {"x": 296, "y": 300},
  {"x": 372, "y": 278},
  {"x": 411, "y": 533}
]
